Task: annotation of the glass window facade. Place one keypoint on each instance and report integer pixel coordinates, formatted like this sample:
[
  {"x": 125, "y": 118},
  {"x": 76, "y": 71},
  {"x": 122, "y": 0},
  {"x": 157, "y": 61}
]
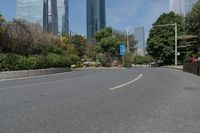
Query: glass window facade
[
  {"x": 140, "y": 38},
  {"x": 96, "y": 16},
  {"x": 182, "y": 7},
  {"x": 30, "y": 10},
  {"x": 63, "y": 15},
  {"x": 51, "y": 15}
]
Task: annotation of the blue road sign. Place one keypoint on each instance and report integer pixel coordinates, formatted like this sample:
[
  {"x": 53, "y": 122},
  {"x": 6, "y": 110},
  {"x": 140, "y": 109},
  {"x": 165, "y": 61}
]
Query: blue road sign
[{"x": 122, "y": 49}]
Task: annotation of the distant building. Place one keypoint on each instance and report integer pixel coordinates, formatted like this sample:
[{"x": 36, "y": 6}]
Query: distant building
[
  {"x": 50, "y": 15},
  {"x": 182, "y": 7},
  {"x": 63, "y": 16},
  {"x": 139, "y": 35},
  {"x": 96, "y": 17},
  {"x": 176, "y": 6},
  {"x": 188, "y": 5},
  {"x": 31, "y": 11}
]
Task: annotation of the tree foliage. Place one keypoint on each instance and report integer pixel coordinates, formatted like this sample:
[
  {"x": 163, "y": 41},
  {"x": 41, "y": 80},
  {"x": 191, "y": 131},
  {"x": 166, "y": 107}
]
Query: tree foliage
[
  {"x": 160, "y": 44},
  {"x": 193, "y": 20}
]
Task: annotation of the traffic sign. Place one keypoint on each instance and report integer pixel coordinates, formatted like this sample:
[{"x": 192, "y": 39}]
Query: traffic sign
[{"x": 122, "y": 49}]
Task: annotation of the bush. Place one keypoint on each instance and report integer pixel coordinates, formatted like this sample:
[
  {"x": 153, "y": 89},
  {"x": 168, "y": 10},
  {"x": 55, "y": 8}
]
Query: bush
[
  {"x": 127, "y": 60},
  {"x": 14, "y": 62}
]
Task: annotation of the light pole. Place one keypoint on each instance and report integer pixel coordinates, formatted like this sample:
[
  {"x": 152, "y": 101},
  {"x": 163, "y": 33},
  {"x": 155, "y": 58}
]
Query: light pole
[
  {"x": 127, "y": 40},
  {"x": 176, "y": 41}
]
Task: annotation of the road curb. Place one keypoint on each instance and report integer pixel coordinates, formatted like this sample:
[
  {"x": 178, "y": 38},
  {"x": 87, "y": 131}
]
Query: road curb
[
  {"x": 31, "y": 73},
  {"x": 172, "y": 67}
]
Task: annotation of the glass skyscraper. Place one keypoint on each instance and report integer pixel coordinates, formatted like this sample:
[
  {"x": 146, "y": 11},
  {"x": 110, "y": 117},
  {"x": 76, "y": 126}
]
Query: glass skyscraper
[
  {"x": 140, "y": 38},
  {"x": 188, "y": 5},
  {"x": 63, "y": 15},
  {"x": 182, "y": 7},
  {"x": 96, "y": 17},
  {"x": 50, "y": 15},
  {"x": 31, "y": 11}
]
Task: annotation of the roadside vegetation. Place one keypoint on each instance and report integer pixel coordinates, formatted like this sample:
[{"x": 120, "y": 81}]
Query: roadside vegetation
[
  {"x": 160, "y": 44},
  {"x": 24, "y": 46}
]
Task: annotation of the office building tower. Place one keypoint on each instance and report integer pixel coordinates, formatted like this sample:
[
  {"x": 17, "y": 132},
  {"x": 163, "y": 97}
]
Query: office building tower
[
  {"x": 176, "y": 6},
  {"x": 31, "y": 11},
  {"x": 182, "y": 7},
  {"x": 188, "y": 5},
  {"x": 96, "y": 17},
  {"x": 63, "y": 16},
  {"x": 140, "y": 38},
  {"x": 50, "y": 15}
]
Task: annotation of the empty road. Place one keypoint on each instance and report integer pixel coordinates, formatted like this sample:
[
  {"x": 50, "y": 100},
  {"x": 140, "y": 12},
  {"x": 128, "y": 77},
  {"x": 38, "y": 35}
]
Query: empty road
[{"x": 136, "y": 100}]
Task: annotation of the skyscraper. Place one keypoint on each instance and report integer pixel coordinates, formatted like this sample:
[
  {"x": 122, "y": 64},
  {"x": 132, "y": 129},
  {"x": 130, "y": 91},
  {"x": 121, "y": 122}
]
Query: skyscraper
[
  {"x": 50, "y": 15},
  {"x": 182, "y": 7},
  {"x": 31, "y": 11},
  {"x": 63, "y": 15},
  {"x": 140, "y": 38},
  {"x": 96, "y": 17},
  {"x": 176, "y": 6},
  {"x": 188, "y": 5}
]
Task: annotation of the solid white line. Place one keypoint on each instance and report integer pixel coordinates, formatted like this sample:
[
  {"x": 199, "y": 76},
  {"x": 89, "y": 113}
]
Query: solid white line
[
  {"x": 50, "y": 82},
  {"x": 125, "y": 84}
]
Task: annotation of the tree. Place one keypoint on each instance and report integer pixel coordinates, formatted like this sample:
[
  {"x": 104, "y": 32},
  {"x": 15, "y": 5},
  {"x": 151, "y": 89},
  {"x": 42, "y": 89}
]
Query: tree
[
  {"x": 160, "y": 44},
  {"x": 121, "y": 37},
  {"x": 79, "y": 43},
  {"x": 107, "y": 46},
  {"x": 193, "y": 25},
  {"x": 193, "y": 20}
]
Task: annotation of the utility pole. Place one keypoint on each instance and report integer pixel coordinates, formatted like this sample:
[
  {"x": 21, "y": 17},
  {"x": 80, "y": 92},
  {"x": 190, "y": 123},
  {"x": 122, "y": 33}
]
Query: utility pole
[
  {"x": 176, "y": 47},
  {"x": 127, "y": 40}
]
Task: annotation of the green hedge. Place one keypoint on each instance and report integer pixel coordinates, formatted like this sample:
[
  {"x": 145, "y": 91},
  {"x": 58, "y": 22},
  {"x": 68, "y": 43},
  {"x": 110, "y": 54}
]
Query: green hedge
[{"x": 13, "y": 62}]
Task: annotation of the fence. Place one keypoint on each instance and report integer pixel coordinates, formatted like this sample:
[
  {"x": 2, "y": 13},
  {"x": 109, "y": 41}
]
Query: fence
[{"x": 192, "y": 68}]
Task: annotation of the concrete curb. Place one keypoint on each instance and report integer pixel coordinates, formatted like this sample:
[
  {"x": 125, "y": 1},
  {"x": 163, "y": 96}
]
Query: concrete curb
[
  {"x": 30, "y": 73},
  {"x": 173, "y": 67}
]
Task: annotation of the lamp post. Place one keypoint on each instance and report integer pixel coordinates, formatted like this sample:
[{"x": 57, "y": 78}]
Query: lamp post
[{"x": 176, "y": 41}]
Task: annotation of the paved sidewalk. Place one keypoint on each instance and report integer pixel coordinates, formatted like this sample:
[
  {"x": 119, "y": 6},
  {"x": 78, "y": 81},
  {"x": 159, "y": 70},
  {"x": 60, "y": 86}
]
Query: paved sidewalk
[{"x": 175, "y": 67}]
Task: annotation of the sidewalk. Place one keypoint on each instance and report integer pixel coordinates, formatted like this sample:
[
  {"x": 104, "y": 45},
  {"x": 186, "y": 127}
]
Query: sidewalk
[{"x": 174, "y": 67}]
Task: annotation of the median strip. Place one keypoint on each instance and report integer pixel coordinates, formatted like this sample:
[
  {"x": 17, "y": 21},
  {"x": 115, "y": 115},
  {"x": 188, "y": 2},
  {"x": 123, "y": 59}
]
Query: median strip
[{"x": 125, "y": 84}]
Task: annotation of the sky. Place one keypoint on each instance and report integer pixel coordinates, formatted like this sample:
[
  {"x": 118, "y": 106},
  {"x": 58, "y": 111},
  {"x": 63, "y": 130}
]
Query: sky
[{"x": 120, "y": 14}]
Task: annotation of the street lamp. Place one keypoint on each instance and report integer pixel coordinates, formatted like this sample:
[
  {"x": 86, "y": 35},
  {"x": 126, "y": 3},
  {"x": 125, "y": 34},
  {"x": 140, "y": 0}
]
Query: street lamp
[{"x": 176, "y": 41}]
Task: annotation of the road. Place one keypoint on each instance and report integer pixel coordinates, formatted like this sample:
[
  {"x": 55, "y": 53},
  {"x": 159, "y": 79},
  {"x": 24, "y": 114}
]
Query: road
[{"x": 136, "y": 100}]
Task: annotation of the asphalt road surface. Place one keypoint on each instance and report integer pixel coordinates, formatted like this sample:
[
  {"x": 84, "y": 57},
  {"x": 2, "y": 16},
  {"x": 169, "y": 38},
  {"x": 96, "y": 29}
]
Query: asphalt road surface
[{"x": 137, "y": 100}]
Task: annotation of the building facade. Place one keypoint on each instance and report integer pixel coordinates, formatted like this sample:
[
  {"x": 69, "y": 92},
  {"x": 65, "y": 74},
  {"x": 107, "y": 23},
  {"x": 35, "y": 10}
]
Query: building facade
[
  {"x": 139, "y": 35},
  {"x": 188, "y": 5},
  {"x": 30, "y": 11},
  {"x": 182, "y": 7},
  {"x": 63, "y": 16},
  {"x": 96, "y": 17},
  {"x": 50, "y": 15}
]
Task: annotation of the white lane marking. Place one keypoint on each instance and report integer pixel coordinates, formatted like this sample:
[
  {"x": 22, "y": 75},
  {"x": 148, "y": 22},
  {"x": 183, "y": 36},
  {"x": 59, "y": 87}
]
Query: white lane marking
[
  {"x": 50, "y": 82},
  {"x": 125, "y": 84},
  {"x": 39, "y": 76}
]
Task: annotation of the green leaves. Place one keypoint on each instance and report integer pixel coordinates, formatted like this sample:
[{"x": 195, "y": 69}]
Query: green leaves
[{"x": 160, "y": 44}]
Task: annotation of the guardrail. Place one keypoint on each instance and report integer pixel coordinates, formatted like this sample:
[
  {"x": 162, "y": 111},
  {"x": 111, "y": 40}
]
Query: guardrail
[{"x": 192, "y": 67}]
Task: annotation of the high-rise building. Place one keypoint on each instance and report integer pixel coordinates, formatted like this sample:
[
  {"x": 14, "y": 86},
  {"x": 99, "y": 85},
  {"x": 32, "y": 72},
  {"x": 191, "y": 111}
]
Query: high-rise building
[
  {"x": 31, "y": 11},
  {"x": 176, "y": 6},
  {"x": 63, "y": 15},
  {"x": 188, "y": 5},
  {"x": 96, "y": 17},
  {"x": 50, "y": 15},
  {"x": 182, "y": 7},
  {"x": 140, "y": 38}
]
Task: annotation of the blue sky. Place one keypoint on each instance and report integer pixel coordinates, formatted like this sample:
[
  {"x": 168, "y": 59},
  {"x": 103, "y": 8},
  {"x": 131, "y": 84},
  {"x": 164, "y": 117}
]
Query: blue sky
[{"x": 120, "y": 13}]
